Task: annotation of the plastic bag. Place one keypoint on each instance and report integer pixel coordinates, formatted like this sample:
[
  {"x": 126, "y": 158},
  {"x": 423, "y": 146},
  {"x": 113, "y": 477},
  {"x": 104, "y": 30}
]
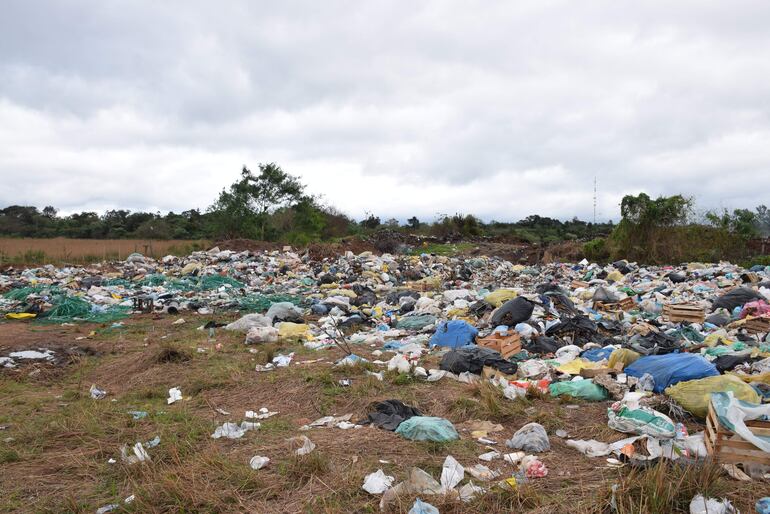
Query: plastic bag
[
  {"x": 671, "y": 368},
  {"x": 641, "y": 421},
  {"x": 421, "y": 507},
  {"x": 427, "y": 428},
  {"x": 262, "y": 335},
  {"x": 497, "y": 298},
  {"x": 513, "y": 312},
  {"x": 377, "y": 482},
  {"x": 532, "y": 437},
  {"x": 701, "y": 505},
  {"x": 622, "y": 355},
  {"x": 694, "y": 395},
  {"x": 247, "y": 322},
  {"x": 583, "y": 389},
  {"x": 293, "y": 331},
  {"x": 452, "y": 473}
]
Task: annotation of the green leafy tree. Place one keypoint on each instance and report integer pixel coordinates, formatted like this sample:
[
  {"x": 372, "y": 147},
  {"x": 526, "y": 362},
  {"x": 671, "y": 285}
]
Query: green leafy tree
[
  {"x": 741, "y": 222},
  {"x": 242, "y": 211}
]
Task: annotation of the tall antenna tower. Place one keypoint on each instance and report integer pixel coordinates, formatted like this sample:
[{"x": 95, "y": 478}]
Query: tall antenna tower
[{"x": 594, "y": 200}]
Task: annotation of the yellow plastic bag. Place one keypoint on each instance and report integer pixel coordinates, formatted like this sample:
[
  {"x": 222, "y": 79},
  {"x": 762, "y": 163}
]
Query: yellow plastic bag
[
  {"x": 20, "y": 315},
  {"x": 715, "y": 338},
  {"x": 574, "y": 367},
  {"x": 614, "y": 276},
  {"x": 191, "y": 267},
  {"x": 694, "y": 395},
  {"x": 622, "y": 355},
  {"x": 762, "y": 377},
  {"x": 499, "y": 297},
  {"x": 343, "y": 292},
  {"x": 294, "y": 331}
]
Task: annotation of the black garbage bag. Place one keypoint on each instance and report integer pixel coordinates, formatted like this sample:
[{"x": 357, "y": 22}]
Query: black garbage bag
[
  {"x": 728, "y": 362},
  {"x": 654, "y": 343},
  {"x": 364, "y": 298},
  {"x": 389, "y": 414},
  {"x": 327, "y": 278},
  {"x": 512, "y": 312},
  {"x": 736, "y": 298},
  {"x": 479, "y": 308},
  {"x": 580, "y": 328},
  {"x": 543, "y": 344},
  {"x": 549, "y": 288},
  {"x": 718, "y": 318},
  {"x": 564, "y": 305},
  {"x": 473, "y": 359},
  {"x": 677, "y": 278}
]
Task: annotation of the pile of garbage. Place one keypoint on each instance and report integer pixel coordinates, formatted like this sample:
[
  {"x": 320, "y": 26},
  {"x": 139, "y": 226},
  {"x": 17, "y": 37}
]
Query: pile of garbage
[{"x": 659, "y": 344}]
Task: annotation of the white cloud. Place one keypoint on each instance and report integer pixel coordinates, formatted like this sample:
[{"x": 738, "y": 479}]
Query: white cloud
[{"x": 395, "y": 108}]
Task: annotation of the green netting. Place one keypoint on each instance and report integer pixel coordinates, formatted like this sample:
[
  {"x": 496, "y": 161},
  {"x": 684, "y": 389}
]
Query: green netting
[
  {"x": 261, "y": 303},
  {"x": 22, "y": 293},
  {"x": 117, "y": 282},
  {"x": 216, "y": 281},
  {"x": 71, "y": 309},
  {"x": 157, "y": 279}
]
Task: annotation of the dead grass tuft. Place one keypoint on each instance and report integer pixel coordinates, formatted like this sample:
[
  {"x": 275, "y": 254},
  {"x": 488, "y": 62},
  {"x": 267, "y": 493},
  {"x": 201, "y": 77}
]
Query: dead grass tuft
[
  {"x": 298, "y": 470},
  {"x": 170, "y": 354},
  {"x": 666, "y": 487}
]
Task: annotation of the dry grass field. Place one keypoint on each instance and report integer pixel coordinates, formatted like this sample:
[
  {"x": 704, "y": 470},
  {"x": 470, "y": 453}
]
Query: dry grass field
[
  {"x": 57, "y": 442},
  {"x": 79, "y": 251}
]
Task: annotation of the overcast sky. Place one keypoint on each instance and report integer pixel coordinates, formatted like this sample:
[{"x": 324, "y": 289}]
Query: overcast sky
[{"x": 502, "y": 109}]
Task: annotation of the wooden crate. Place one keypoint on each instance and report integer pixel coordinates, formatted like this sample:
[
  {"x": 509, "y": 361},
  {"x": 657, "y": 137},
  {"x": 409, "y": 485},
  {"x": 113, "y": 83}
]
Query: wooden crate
[
  {"x": 728, "y": 448},
  {"x": 684, "y": 312},
  {"x": 757, "y": 325},
  {"x": 579, "y": 283},
  {"x": 626, "y": 304},
  {"x": 508, "y": 345}
]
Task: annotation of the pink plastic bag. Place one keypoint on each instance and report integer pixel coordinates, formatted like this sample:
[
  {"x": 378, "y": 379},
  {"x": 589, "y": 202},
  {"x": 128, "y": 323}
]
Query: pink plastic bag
[{"x": 756, "y": 308}]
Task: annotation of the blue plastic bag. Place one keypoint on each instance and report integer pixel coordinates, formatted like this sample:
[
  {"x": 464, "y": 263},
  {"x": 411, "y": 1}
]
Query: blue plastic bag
[
  {"x": 421, "y": 507},
  {"x": 671, "y": 368},
  {"x": 597, "y": 354},
  {"x": 454, "y": 334}
]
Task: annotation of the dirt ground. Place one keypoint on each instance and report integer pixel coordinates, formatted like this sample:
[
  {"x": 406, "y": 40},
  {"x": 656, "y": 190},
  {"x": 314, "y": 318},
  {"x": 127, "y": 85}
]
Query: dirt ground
[{"x": 56, "y": 442}]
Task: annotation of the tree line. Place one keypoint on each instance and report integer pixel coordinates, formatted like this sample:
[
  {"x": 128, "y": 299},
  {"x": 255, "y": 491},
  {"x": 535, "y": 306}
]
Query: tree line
[{"x": 273, "y": 205}]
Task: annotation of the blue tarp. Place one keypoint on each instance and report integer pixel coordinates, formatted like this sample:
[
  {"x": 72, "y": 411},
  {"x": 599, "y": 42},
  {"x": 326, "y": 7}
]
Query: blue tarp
[
  {"x": 671, "y": 368},
  {"x": 454, "y": 334}
]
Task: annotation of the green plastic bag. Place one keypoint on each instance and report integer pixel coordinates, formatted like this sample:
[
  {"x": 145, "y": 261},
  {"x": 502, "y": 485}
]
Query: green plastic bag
[
  {"x": 583, "y": 389},
  {"x": 427, "y": 428}
]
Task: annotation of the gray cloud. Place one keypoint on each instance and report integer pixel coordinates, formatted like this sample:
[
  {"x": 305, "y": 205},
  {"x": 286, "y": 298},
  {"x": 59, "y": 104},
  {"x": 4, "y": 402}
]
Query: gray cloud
[{"x": 397, "y": 108}]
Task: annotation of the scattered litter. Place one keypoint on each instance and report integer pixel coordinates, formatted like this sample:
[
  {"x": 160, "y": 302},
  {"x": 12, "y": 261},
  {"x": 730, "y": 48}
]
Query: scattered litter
[
  {"x": 258, "y": 462},
  {"x": 377, "y": 482},
  {"x": 96, "y": 393},
  {"x": 532, "y": 437},
  {"x": 702, "y": 505},
  {"x": 301, "y": 445},
  {"x": 174, "y": 395}
]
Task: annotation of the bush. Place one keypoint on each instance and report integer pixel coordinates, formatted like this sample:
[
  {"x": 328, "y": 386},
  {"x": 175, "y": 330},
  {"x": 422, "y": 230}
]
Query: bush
[{"x": 596, "y": 250}]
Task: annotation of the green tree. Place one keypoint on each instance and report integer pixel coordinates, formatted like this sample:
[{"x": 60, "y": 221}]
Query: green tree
[
  {"x": 741, "y": 222},
  {"x": 243, "y": 209},
  {"x": 413, "y": 222}
]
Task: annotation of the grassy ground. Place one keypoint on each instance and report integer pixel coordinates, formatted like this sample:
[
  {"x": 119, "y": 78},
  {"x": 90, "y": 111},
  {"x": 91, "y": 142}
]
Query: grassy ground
[
  {"x": 60, "y": 250},
  {"x": 56, "y": 447}
]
